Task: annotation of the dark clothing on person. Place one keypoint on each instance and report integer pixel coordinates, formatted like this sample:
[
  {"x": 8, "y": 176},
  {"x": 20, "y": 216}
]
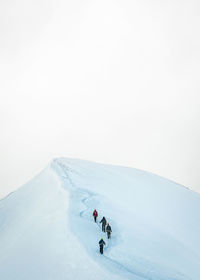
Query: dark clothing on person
[
  {"x": 103, "y": 221},
  {"x": 101, "y": 244},
  {"x": 108, "y": 230},
  {"x": 95, "y": 214}
]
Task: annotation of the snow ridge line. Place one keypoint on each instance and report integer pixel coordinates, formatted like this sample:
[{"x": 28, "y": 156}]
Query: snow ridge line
[
  {"x": 88, "y": 196},
  {"x": 7, "y": 196},
  {"x": 65, "y": 170}
]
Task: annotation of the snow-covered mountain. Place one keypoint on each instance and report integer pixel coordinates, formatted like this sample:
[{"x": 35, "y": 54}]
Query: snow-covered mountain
[{"x": 47, "y": 230}]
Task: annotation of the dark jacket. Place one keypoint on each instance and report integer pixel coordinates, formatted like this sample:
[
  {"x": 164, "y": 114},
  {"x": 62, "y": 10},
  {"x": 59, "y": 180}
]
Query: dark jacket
[
  {"x": 102, "y": 243},
  {"x": 108, "y": 228},
  {"x": 103, "y": 221}
]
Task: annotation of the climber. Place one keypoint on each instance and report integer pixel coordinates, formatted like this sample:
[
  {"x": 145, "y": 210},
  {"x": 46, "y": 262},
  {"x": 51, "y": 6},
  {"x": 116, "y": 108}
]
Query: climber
[
  {"x": 103, "y": 221},
  {"x": 108, "y": 230},
  {"x": 95, "y": 215},
  {"x": 101, "y": 244}
]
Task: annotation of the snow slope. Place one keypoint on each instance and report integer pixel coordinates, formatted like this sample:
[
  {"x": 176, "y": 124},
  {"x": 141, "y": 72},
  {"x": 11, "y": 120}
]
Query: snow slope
[{"x": 47, "y": 229}]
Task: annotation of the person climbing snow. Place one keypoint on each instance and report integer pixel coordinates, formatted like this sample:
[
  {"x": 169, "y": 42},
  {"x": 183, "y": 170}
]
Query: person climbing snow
[
  {"x": 108, "y": 230},
  {"x": 101, "y": 244},
  {"x": 95, "y": 215},
  {"x": 103, "y": 221}
]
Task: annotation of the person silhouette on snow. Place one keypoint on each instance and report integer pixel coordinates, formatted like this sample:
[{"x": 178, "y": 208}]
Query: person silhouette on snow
[
  {"x": 95, "y": 215},
  {"x": 108, "y": 230},
  {"x": 103, "y": 221},
  {"x": 101, "y": 244}
]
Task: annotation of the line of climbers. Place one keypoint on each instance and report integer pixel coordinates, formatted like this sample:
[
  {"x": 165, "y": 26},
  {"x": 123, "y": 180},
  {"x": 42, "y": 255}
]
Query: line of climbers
[{"x": 105, "y": 228}]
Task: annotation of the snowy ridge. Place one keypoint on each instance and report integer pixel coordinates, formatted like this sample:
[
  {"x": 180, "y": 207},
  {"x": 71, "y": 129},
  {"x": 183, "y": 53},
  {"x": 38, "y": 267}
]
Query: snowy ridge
[
  {"x": 89, "y": 200},
  {"x": 155, "y": 226}
]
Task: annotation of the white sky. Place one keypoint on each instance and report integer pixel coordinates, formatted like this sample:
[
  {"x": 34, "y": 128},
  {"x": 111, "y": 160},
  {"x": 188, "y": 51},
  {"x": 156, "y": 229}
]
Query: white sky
[{"x": 109, "y": 81}]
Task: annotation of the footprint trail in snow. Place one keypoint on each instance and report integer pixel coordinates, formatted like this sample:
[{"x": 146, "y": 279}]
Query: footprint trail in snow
[{"x": 82, "y": 204}]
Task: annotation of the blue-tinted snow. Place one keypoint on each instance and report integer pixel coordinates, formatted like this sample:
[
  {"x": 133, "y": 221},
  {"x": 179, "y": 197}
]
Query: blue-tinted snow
[{"x": 47, "y": 229}]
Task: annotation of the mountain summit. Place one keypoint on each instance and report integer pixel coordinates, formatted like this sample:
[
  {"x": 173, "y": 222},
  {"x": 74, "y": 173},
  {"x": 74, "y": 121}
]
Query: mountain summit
[{"x": 47, "y": 231}]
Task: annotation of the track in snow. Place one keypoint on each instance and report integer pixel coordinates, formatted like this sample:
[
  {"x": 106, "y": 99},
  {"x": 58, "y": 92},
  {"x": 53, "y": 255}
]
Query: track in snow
[{"x": 90, "y": 201}]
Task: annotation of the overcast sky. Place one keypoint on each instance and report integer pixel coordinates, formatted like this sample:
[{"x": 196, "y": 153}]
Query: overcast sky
[{"x": 108, "y": 81}]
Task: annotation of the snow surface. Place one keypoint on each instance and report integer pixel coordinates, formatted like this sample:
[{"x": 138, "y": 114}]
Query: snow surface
[{"x": 47, "y": 229}]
